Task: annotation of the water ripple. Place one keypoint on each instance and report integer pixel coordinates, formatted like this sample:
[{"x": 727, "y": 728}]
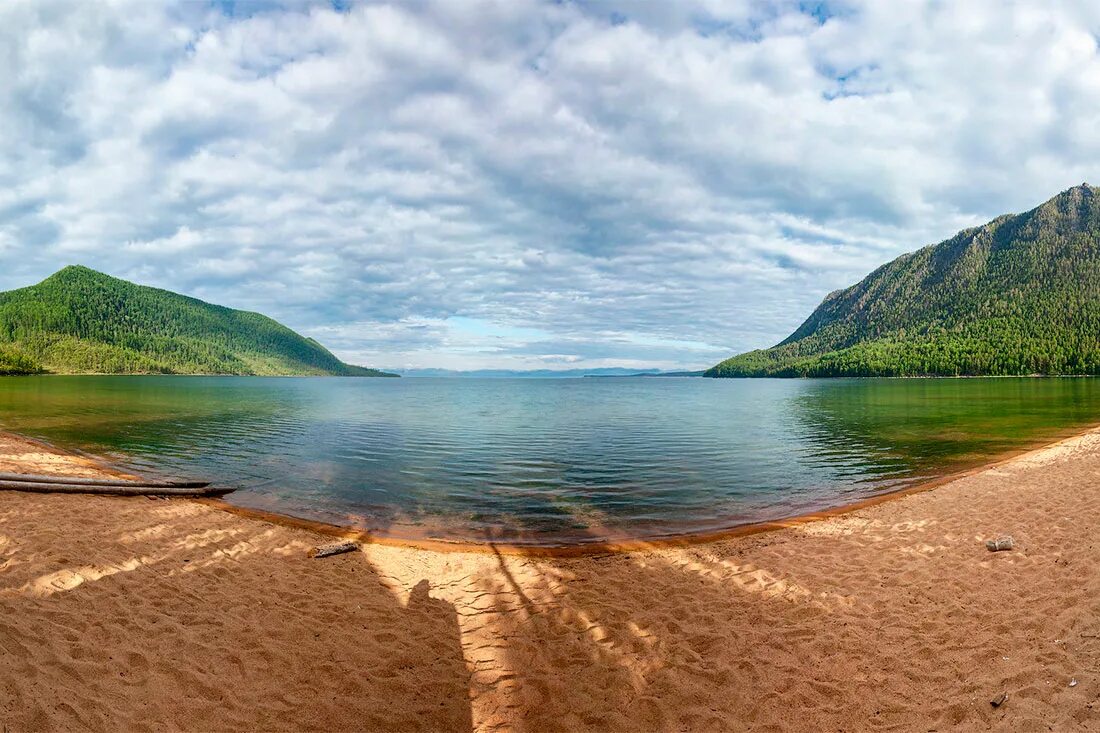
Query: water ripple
[{"x": 543, "y": 460}]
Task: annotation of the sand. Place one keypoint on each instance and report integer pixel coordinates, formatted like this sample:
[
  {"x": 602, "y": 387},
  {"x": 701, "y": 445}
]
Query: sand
[{"x": 140, "y": 614}]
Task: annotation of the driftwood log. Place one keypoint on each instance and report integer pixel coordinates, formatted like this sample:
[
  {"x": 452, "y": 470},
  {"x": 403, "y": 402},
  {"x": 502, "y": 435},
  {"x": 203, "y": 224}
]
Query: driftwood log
[
  {"x": 337, "y": 548},
  {"x": 40, "y": 478},
  {"x": 118, "y": 489}
]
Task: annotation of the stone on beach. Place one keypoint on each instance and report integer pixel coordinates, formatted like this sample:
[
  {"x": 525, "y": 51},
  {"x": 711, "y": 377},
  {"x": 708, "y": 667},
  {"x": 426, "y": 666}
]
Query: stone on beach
[{"x": 337, "y": 548}]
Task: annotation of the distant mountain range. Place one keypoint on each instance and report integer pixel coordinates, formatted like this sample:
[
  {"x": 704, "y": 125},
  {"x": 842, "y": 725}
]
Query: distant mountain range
[
  {"x": 1019, "y": 295},
  {"x": 82, "y": 321},
  {"x": 545, "y": 373}
]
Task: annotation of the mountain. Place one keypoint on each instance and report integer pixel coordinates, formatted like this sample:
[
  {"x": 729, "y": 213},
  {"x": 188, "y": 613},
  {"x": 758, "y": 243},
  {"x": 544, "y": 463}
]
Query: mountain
[
  {"x": 1019, "y": 295},
  {"x": 650, "y": 374},
  {"x": 82, "y": 321},
  {"x": 531, "y": 373}
]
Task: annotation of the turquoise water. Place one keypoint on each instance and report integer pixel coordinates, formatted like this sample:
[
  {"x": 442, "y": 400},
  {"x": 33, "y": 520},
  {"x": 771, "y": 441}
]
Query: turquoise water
[{"x": 545, "y": 461}]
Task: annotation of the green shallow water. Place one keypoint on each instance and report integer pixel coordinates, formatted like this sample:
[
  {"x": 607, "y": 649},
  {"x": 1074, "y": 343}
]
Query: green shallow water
[{"x": 546, "y": 461}]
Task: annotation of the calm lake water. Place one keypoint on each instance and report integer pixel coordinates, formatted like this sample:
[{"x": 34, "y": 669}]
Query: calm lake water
[{"x": 545, "y": 460}]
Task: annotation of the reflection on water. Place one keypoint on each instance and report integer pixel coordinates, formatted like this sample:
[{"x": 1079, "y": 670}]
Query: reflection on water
[{"x": 545, "y": 460}]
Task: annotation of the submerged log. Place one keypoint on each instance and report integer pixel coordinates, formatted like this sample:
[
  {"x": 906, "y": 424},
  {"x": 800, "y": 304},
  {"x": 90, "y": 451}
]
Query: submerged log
[
  {"x": 337, "y": 548},
  {"x": 111, "y": 490},
  {"x": 40, "y": 478}
]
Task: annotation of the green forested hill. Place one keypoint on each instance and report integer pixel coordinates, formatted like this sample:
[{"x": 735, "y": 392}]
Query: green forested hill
[
  {"x": 82, "y": 321},
  {"x": 1019, "y": 295}
]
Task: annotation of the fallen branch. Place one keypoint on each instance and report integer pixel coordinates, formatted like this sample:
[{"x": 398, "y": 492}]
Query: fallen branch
[
  {"x": 110, "y": 490},
  {"x": 41, "y": 478}
]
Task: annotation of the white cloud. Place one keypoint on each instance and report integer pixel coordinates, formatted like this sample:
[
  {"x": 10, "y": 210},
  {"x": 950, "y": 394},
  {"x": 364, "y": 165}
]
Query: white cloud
[{"x": 669, "y": 183}]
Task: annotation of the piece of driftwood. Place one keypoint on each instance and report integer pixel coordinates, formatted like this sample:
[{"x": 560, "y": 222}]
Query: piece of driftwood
[
  {"x": 1000, "y": 544},
  {"x": 111, "y": 490},
  {"x": 40, "y": 478},
  {"x": 999, "y": 700},
  {"x": 337, "y": 548}
]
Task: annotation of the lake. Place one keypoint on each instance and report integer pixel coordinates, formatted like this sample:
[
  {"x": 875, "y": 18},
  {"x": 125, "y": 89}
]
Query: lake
[{"x": 546, "y": 461}]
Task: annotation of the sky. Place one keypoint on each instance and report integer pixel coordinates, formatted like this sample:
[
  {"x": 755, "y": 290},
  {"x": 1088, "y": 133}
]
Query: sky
[{"x": 523, "y": 184}]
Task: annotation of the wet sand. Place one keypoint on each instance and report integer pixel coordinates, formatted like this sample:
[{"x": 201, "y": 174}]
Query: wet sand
[{"x": 140, "y": 614}]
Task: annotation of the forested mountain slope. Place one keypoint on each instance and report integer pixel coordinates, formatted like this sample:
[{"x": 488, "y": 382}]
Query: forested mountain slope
[
  {"x": 1019, "y": 295},
  {"x": 82, "y": 321}
]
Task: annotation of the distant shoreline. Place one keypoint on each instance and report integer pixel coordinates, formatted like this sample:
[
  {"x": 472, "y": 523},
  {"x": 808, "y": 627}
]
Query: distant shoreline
[{"x": 688, "y": 375}]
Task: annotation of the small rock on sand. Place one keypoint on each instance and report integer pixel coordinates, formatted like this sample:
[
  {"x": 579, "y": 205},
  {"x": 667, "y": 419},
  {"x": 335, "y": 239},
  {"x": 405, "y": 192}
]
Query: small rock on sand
[{"x": 334, "y": 549}]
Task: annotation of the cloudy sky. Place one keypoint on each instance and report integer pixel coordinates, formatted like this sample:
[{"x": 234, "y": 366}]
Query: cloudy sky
[{"x": 522, "y": 184}]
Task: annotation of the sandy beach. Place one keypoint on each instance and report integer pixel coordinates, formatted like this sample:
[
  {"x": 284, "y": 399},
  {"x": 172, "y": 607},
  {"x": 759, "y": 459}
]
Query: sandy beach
[{"x": 143, "y": 614}]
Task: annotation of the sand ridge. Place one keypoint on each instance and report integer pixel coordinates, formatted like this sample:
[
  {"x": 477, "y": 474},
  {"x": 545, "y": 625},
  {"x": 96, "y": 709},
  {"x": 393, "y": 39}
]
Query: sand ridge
[{"x": 142, "y": 614}]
